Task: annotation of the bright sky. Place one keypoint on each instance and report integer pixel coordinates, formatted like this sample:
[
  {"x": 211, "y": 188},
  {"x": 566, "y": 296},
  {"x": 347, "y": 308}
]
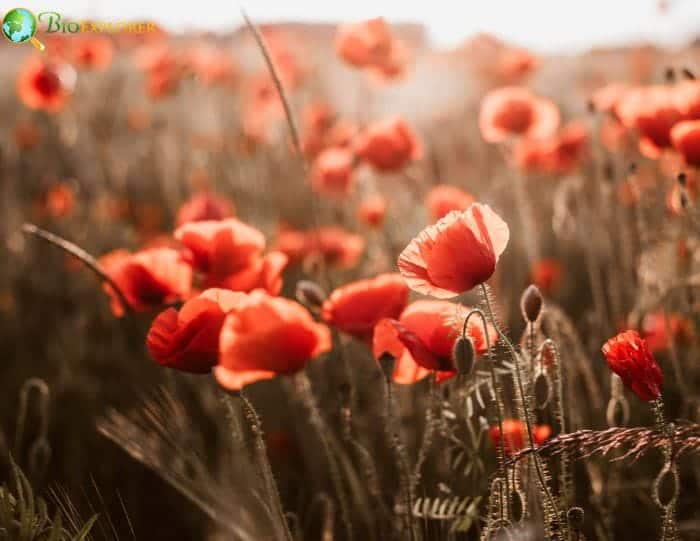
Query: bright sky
[{"x": 543, "y": 25}]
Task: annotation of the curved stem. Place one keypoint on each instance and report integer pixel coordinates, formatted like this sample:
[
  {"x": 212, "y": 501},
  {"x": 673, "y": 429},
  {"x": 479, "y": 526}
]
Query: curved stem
[
  {"x": 523, "y": 398},
  {"x": 76, "y": 251},
  {"x": 500, "y": 452}
]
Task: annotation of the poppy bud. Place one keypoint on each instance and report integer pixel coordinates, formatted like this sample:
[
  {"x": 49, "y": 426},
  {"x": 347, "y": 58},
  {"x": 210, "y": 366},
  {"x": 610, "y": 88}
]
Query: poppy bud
[
  {"x": 310, "y": 294},
  {"x": 670, "y": 75},
  {"x": 688, "y": 74},
  {"x": 387, "y": 362},
  {"x": 463, "y": 355},
  {"x": 531, "y": 303},
  {"x": 575, "y": 517},
  {"x": 682, "y": 179}
]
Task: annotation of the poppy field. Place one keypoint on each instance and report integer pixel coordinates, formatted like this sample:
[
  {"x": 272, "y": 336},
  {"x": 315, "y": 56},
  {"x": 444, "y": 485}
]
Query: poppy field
[{"x": 326, "y": 282}]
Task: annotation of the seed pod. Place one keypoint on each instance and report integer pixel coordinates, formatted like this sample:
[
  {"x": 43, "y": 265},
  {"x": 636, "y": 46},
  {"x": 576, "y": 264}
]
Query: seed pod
[
  {"x": 531, "y": 303},
  {"x": 542, "y": 388},
  {"x": 310, "y": 294},
  {"x": 575, "y": 516},
  {"x": 463, "y": 355},
  {"x": 387, "y": 362}
]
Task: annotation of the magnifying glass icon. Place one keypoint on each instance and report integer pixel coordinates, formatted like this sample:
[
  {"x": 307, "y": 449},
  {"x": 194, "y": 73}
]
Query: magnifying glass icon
[{"x": 19, "y": 26}]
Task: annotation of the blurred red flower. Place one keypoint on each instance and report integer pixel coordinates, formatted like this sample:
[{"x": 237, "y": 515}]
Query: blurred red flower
[
  {"x": 515, "y": 436},
  {"x": 364, "y": 44},
  {"x": 371, "y": 211},
  {"x": 264, "y": 336},
  {"x": 147, "y": 278},
  {"x": 262, "y": 272},
  {"x": 546, "y": 274},
  {"x": 423, "y": 337},
  {"x": 606, "y": 98},
  {"x": 188, "y": 340},
  {"x": 92, "y": 52},
  {"x": 443, "y": 199},
  {"x": 513, "y": 112},
  {"x": 337, "y": 247},
  {"x": 333, "y": 171},
  {"x": 685, "y": 137},
  {"x": 388, "y": 145},
  {"x": 204, "y": 206},
  {"x": 556, "y": 155},
  {"x": 26, "y": 135},
  {"x": 356, "y": 307},
  {"x": 43, "y": 85},
  {"x": 652, "y": 112},
  {"x": 455, "y": 254},
  {"x": 628, "y": 355},
  {"x": 60, "y": 200},
  {"x": 658, "y": 335},
  {"x": 220, "y": 248}
]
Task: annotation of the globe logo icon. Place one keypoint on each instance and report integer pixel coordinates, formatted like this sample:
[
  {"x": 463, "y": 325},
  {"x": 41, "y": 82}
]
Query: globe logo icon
[{"x": 19, "y": 25}]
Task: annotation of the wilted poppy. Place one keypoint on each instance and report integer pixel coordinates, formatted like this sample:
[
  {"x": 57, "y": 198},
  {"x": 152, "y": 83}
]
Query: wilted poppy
[
  {"x": 355, "y": 308},
  {"x": 388, "y": 145},
  {"x": 332, "y": 171},
  {"x": 188, "y": 340},
  {"x": 372, "y": 210},
  {"x": 422, "y": 339},
  {"x": 203, "y": 207},
  {"x": 220, "y": 248},
  {"x": 147, "y": 278},
  {"x": 628, "y": 355},
  {"x": 455, "y": 254},
  {"x": 264, "y": 336},
  {"x": 515, "y": 436},
  {"x": 685, "y": 137},
  {"x": 516, "y": 112},
  {"x": 43, "y": 85},
  {"x": 443, "y": 199}
]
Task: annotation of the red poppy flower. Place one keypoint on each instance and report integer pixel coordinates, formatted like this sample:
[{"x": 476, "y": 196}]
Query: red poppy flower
[
  {"x": 546, "y": 274},
  {"x": 204, "y": 207},
  {"x": 388, "y": 145},
  {"x": 606, "y": 98},
  {"x": 337, "y": 247},
  {"x": 652, "y": 111},
  {"x": 26, "y": 135},
  {"x": 188, "y": 340},
  {"x": 43, "y": 85},
  {"x": 685, "y": 137},
  {"x": 628, "y": 355},
  {"x": 148, "y": 278},
  {"x": 371, "y": 211},
  {"x": 515, "y": 436},
  {"x": 264, "y": 336},
  {"x": 364, "y": 44},
  {"x": 656, "y": 332},
  {"x": 220, "y": 248},
  {"x": 515, "y": 64},
  {"x": 455, "y": 254},
  {"x": 423, "y": 337},
  {"x": 211, "y": 65},
  {"x": 443, "y": 199},
  {"x": 332, "y": 171},
  {"x": 92, "y": 52},
  {"x": 355, "y": 308},
  {"x": 264, "y": 272},
  {"x": 557, "y": 155},
  {"x": 687, "y": 99},
  {"x": 60, "y": 200},
  {"x": 513, "y": 112}
]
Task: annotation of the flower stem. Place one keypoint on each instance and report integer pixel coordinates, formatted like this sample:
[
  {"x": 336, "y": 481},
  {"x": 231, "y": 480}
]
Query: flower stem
[{"x": 523, "y": 398}]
